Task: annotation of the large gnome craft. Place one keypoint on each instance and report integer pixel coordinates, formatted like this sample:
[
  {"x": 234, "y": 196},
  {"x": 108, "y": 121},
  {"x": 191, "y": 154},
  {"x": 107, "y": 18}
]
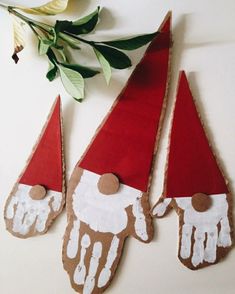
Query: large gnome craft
[
  {"x": 107, "y": 198},
  {"x": 39, "y": 194},
  {"x": 195, "y": 186}
]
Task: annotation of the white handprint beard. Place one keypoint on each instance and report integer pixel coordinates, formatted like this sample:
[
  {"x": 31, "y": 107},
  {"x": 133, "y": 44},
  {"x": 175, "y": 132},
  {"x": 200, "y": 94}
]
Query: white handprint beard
[
  {"x": 107, "y": 214},
  {"x": 24, "y": 214},
  {"x": 206, "y": 229}
]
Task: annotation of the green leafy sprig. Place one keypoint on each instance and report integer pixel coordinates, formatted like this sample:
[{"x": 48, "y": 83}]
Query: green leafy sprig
[{"x": 53, "y": 42}]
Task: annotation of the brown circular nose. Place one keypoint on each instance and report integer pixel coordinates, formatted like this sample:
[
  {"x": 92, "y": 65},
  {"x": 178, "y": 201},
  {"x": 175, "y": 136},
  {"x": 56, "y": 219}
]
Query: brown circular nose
[
  {"x": 108, "y": 184},
  {"x": 37, "y": 192},
  {"x": 201, "y": 202}
]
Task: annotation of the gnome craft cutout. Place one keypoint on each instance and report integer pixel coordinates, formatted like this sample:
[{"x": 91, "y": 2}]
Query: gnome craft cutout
[
  {"x": 38, "y": 196},
  {"x": 195, "y": 187},
  {"x": 107, "y": 198}
]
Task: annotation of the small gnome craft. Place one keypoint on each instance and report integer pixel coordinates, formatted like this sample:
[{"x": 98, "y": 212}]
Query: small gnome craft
[
  {"x": 38, "y": 196},
  {"x": 107, "y": 197},
  {"x": 195, "y": 187}
]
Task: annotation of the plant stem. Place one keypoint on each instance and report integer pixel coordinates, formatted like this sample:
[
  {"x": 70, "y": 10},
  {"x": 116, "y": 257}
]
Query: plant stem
[
  {"x": 44, "y": 27},
  {"x": 3, "y": 6},
  {"x": 33, "y": 29},
  {"x": 21, "y": 16},
  {"x": 65, "y": 38},
  {"x": 78, "y": 38}
]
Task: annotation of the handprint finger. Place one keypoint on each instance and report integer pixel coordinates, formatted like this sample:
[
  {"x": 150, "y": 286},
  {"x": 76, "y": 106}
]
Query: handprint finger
[
  {"x": 162, "y": 207},
  {"x": 42, "y": 219},
  {"x": 224, "y": 239},
  {"x": 29, "y": 220},
  {"x": 94, "y": 263},
  {"x": 185, "y": 244},
  {"x": 80, "y": 271},
  {"x": 72, "y": 247},
  {"x": 140, "y": 221},
  {"x": 18, "y": 218},
  {"x": 27, "y": 223},
  {"x": 106, "y": 271},
  {"x": 10, "y": 208},
  {"x": 56, "y": 201},
  {"x": 211, "y": 245},
  {"x": 198, "y": 247}
]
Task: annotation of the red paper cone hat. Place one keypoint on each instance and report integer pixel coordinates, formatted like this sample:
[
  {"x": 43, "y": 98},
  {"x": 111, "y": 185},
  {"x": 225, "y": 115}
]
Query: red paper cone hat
[
  {"x": 45, "y": 167},
  {"x": 125, "y": 143},
  {"x": 192, "y": 167}
]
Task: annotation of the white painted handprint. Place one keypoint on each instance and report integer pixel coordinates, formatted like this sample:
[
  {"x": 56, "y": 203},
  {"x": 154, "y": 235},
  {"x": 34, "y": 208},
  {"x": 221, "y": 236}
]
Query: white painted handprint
[
  {"x": 202, "y": 232},
  {"x": 25, "y": 215},
  {"x": 96, "y": 233}
]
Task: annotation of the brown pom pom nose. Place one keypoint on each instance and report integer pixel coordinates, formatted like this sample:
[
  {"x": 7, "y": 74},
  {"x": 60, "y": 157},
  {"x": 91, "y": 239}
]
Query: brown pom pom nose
[
  {"x": 37, "y": 192},
  {"x": 201, "y": 202},
  {"x": 108, "y": 184}
]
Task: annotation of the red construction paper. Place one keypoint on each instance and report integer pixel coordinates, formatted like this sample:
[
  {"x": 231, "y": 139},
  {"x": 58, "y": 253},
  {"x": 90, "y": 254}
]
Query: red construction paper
[
  {"x": 192, "y": 167},
  {"x": 125, "y": 143},
  {"x": 45, "y": 166}
]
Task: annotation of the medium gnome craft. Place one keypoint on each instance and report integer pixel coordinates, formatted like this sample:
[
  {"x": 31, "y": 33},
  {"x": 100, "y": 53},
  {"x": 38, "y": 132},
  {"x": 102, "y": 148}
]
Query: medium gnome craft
[
  {"x": 38, "y": 196},
  {"x": 195, "y": 187},
  {"x": 107, "y": 198}
]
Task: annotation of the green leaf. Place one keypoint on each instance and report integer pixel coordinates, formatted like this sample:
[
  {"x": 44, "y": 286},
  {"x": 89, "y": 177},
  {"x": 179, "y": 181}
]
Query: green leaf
[
  {"x": 62, "y": 54},
  {"x": 105, "y": 65},
  {"x": 52, "y": 71},
  {"x": 51, "y": 56},
  {"x": 131, "y": 43},
  {"x": 43, "y": 46},
  {"x": 115, "y": 58},
  {"x": 62, "y": 25},
  {"x": 86, "y": 72},
  {"x": 87, "y": 23},
  {"x": 82, "y": 26},
  {"x": 73, "y": 82}
]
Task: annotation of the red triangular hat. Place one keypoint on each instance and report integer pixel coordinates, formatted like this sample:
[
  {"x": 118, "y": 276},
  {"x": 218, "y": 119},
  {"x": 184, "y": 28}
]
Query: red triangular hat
[
  {"x": 192, "y": 166},
  {"x": 45, "y": 166},
  {"x": 124, "y": 145}
]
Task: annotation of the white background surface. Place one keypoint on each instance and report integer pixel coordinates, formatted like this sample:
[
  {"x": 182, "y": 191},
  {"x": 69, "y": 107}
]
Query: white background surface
[{"x": 204, "y": 35}]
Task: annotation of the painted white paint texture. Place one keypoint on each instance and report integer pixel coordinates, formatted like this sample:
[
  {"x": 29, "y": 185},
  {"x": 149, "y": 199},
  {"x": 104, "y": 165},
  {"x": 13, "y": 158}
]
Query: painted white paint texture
[
  {"x": 140, "y": 223},
  {"x": 106, "y": 271},
  {"x": 72, "y": 247},
  {"x": 205, "y": 224},
  {"x": 24, "y": 211},
  {"x": 94, "y": 263},
  {"x": 106, "y": 214},
  {"x": 80, "y": 270},
  {"x": 160, "y": 209}
]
